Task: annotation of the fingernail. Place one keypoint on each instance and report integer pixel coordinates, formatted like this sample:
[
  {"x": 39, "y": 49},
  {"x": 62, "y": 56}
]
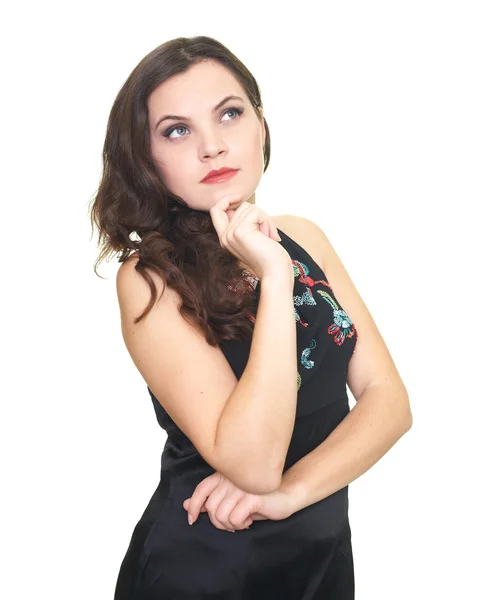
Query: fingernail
[
  {"x": 190, "y": 520},
  {"x": 279, "y": 239}
]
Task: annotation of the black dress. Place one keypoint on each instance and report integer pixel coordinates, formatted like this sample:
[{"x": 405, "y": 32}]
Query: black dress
[{"x": 307, "y": 556}]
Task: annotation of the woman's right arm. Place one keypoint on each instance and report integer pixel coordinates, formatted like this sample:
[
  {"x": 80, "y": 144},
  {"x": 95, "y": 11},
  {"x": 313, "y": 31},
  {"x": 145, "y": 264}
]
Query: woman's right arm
[
  {"x": 242, "y": 428},
  {"x": 256, "y": 425}
]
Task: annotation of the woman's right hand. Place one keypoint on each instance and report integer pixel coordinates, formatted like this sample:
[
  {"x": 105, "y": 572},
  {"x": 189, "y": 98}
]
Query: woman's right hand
[{"x": 246, "y": 232}]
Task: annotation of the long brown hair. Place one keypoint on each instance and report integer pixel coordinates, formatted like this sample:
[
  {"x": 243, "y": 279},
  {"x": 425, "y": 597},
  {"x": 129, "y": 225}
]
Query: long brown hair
[{"x": 180, "y": 244}]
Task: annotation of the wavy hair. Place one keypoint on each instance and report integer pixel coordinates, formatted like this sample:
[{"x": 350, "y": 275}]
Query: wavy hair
[{"x": 178, "y": 243}]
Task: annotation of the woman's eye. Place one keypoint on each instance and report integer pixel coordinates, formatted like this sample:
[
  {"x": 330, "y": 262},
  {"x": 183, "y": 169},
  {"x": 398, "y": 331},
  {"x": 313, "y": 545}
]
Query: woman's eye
[
  {"x": 237, "y": 110},
  {"x": 168, "y": 133}
]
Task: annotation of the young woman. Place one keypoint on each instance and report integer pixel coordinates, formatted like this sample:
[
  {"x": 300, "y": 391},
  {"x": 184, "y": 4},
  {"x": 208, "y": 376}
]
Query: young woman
[{"x": 244, "y": 327}]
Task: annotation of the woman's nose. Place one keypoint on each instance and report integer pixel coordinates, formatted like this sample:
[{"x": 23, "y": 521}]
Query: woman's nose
[{"x": 212, "y": 145}]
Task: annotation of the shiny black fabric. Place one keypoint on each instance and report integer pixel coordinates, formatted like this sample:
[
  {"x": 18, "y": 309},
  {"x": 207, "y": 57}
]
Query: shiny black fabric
[{"x": 305, "y": 557}]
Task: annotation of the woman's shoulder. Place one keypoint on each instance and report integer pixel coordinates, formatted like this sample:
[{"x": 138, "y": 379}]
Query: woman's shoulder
[
  {"x": 127, "y": 269},
  {"x": 132, "y": 286}
]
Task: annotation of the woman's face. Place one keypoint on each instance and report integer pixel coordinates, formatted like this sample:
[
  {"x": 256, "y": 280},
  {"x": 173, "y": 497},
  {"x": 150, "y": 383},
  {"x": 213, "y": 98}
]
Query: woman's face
[{"x": 185, "y": 149}]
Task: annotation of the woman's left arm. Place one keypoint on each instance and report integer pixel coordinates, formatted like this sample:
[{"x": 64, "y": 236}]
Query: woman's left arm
[
  {"x": 379, "y": 418},
  {"x": 382, "y": 412}
]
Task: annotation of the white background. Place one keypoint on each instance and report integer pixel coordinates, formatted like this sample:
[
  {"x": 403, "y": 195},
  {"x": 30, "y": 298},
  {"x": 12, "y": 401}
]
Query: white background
[{"x": 373, "y": 120}]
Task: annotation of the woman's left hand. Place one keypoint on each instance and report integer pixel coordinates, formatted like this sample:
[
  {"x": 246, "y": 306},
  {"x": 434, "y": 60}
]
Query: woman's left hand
[{"x": 231, "y": 508}]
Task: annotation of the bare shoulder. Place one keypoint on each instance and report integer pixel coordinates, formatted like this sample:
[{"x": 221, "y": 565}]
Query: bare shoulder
[{"x": 133, "y": 290}]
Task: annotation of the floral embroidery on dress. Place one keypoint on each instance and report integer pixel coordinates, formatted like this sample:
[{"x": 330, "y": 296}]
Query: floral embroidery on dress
[
  {"x": 342, "y": 326},
  {"x": 248, "y": 283},
  {"x": 305, "y": 298},
  {"x": 308, "y": 364}
]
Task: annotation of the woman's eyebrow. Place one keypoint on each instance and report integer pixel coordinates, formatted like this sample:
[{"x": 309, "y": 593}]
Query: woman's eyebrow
[{"x": 179, "y": 118}]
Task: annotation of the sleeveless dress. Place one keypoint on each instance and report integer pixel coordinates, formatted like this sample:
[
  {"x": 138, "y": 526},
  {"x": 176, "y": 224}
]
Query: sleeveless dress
[{"x": 307, "y": 556}]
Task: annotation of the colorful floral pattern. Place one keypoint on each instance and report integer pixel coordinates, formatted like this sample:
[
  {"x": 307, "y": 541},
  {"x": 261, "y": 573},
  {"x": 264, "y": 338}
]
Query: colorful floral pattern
[{"x": 342, "y": 326}]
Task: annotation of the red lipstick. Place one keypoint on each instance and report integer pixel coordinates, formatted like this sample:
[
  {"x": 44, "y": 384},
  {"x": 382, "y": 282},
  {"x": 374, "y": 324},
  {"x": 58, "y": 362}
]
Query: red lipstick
[{"x": 217, "y": 176}]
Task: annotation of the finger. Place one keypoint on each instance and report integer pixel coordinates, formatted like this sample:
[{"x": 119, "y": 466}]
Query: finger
[
  {"x": 186, "y": 503},
  {"x": 265, "y": 228},
  {"x": 250, "y": 216},
  {"x": 241, "y": 516},
  {"x": 237, "y": 215},
  {"x": 227, "y": 507},
  {"x": 237, "y": 209},
  {"x": 274, "y": 233},
  {"x": 212, "y": 505},
  {"x": 263, "y": 222},
  {"x": 247, "y": 523},
  {"x": 200, "y": 495},
  {"x": 217, "y": 524},
  {"x": 218, "y": 213},
  {"x": 258, "y": 216},
  {"x": 186, "y": 507}
]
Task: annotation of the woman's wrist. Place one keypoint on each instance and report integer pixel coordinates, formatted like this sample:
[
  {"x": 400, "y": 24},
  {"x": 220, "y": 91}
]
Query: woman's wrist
[{"x": 296, "y": 492}]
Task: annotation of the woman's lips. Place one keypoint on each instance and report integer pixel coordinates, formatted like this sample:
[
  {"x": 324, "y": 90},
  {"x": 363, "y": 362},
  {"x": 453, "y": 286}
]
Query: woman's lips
[{"x": 221, "y": 177}]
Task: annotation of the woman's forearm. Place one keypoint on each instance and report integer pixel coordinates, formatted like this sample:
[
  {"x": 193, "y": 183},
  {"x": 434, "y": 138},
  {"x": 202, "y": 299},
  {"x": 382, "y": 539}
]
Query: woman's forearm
[
  {"x": 377, "y": 421},
  {"x": 255, "y": 428}
]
